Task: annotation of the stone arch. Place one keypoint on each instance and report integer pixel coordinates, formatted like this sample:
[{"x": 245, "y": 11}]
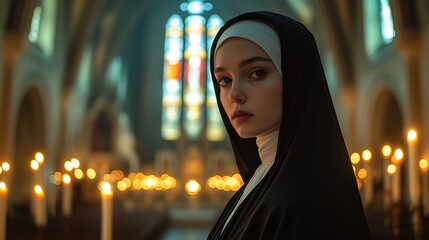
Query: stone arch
[
  {"x": 29, "y": 137},
  {"x": 387, "y": 127},
  {"x": 100, "y": 151}
]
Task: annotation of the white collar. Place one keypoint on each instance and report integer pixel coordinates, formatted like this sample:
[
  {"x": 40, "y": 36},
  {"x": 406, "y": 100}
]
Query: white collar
[{"x": 267, "y": 146}]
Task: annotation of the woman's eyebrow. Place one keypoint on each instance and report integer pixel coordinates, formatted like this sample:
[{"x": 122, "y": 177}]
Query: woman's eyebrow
[
  {"x": 254, "y": 59},
  {"x": 245, "y": 62}
]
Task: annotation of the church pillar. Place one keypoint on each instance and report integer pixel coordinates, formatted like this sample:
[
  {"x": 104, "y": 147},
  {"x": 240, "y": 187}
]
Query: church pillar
[
  {"x": 409, "y": 43},
  {"x": 13, "y": 46}
]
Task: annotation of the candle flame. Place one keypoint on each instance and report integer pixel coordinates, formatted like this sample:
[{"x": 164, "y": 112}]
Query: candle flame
[
  {"x": 5, "y": 166},
  {"x": 66, "y": 178},
  {"x": 68, "y": 165},
  {"x": 38, "y": 190},
  {"x": 34, "y": 165},
  {"x": 75, "y": 162},
  {"x": 192, "y": 187},
  {"x": 412, "y": 135},
  {"x": 106, "y": 189},
  {"x": 39, "y": 157},
  {"x": 3, "y": 187},
  {"x": 398, "y": 155}
]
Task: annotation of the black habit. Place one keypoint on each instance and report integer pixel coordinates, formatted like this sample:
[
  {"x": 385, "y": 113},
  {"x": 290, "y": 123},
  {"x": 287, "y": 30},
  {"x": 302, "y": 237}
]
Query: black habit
[{"x": 310, "y": 192}]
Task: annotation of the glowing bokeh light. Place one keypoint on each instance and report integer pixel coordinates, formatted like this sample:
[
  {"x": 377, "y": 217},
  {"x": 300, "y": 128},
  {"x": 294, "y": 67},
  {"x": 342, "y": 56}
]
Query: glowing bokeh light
[
  {"x": 412, "y": 135},
  {"x": 39, "y": 157},
  {"x": 68, "y": 166},
  {"x": 366, "y": 155},
  {"x": 5, "y": 166},
  {"x": 386, "y": 150},
  {"x": 355, "y": 158},
  {"x": 66, "y": 178},
  {"x": 362, "y": 173},
  {"x": 90, "y": 173},
  {"x": 423, "y": 163},
  {"x": 192, "y": 187},
  {"x": 78, "y": 173},
  {"x": 34, "y": 165},
  {"x": 391, "y": 169}
]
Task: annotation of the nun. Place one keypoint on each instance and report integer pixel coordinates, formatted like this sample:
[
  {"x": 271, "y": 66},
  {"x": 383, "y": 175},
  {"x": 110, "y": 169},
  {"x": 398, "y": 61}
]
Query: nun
[{"x": 274, "y": 101}]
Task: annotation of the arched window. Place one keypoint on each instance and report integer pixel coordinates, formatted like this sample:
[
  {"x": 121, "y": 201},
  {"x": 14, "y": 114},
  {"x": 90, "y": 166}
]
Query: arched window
[
  {"x": 387, "y": 28},
  {"x": 215, "y": 129},
  {"x": 378, "y": 25},
  {"x": 42, "y": 28},
  {"x": 187, "y": 46},
  {"x": 172, "y": 83}
]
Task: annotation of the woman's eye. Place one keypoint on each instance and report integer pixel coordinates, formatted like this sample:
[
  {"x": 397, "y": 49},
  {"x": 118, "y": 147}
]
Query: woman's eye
[
  {"x": 258, "y": 74},
  {"x": 224, "y": 81}
]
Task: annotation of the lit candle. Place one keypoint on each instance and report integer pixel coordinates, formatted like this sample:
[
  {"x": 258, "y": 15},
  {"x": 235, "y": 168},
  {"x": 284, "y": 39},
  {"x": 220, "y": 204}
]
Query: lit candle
[
  {"x": 413, "y": 173},
  {"x": 425, "y": 188},
  {"x": 395, "y": 169},
  {"x": 396, "y": 186},
  {"x": 369, "y": 180},
  {"x": 40, "y": 216},
  {"x": 67, "y": 195},
  {"x": 3, "y": 210},
  {"x": 106, "y": 211},
  {"x": 387, "y": 185}
]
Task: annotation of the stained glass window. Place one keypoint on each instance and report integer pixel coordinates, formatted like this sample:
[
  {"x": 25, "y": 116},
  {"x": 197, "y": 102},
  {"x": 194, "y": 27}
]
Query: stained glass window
[
  {"x": 387, "y": 28},
  {"x": 197, "y": 92},
  {"x": 214, "y": 130},
  {"x": 378, "y": 23},
  {"x": 42, "y": 28},
  {"x": 195, "y": 55},
  {"x": 172, "y": 85}
]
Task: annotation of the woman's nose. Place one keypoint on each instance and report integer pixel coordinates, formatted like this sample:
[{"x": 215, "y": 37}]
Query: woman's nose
[{"x": 236, "y": 94}]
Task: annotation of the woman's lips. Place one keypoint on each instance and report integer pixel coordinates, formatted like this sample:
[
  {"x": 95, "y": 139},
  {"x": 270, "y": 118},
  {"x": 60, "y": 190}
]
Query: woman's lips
[{"x": 240, "y": 116}]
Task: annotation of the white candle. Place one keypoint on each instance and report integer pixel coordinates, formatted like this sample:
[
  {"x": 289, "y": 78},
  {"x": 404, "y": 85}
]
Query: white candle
[
  {"x": 425, "y": 186},
  {"x": 396, "y": 160},
  {"x": 40, "y": 214},
  {"x": 387, "y": 185},
  {"x": 3, "y": 210},
  {"x": 67, "y": 196},
  {"x": 413, "y": 173},
  {"x": 396, "y": 184},
  {"x": 369, "y": 179},
  {"x": 106, "y": 211}
]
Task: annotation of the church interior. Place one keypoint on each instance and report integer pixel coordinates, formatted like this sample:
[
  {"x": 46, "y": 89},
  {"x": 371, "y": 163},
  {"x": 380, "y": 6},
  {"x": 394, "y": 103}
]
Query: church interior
[{"x": 109, "y": 126}]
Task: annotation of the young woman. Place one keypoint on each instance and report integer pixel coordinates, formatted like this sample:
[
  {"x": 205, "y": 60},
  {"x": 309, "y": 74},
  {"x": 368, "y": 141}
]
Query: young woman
[{"x": 275, "y": 104}]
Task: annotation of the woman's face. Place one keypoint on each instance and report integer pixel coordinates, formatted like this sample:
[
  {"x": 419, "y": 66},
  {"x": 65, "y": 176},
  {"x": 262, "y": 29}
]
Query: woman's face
[{"x": 250, "y": 87}]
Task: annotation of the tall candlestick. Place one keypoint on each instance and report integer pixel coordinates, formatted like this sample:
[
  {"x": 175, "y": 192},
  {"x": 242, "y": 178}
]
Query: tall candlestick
[
  {"x": 413, "y": 173},
  {"x": 106, "y": 211},
  {"x": 3, "y": 210},
  {"x": 67, "y": 195},
  {"x": 40, "y": 214}
]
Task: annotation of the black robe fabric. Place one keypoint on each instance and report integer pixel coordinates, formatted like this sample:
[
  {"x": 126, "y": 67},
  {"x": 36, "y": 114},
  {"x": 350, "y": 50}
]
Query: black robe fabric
[{"x": 310, "y": 192}]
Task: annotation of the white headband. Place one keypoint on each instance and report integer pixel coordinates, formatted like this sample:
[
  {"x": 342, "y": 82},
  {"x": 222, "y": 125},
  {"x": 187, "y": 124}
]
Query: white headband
[{"x": 260, "y": 33}]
